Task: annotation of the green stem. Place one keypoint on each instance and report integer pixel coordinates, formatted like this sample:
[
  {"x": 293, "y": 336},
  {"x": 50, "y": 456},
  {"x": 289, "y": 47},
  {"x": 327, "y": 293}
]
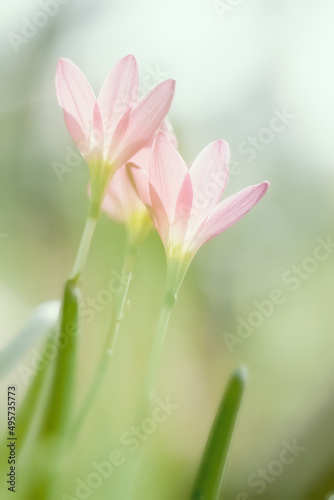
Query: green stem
[
  {"x": 117, "y": 316},
  {"x": 99, "y": 374},
  {"x": 176, "y": 271},
  {"x": 143, "y": 408},
  {"x": 158, "y": 344},
  {"x": 33, "y": 395},
  {"x": 54, "y": 428},
  {"x": 62, "y": 391},
  {"x": 120, "y": 300},
  {"x": 84, "y": 246}
]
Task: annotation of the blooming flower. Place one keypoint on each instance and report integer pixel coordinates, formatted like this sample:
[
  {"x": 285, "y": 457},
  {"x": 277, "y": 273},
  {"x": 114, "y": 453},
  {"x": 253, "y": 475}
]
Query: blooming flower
[
  {"x": 113, "y": 127},
  {"x": 185, "y": 205},
  {"x": 122, "y": 203}
]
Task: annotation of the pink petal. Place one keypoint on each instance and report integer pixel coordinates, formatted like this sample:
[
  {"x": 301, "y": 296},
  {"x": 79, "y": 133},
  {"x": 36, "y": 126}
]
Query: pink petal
[
  {"x": 76, "y": 98},
  {"x": 140, "y": 182},
  {"x": 167, "y": 127},
  {"x": 228, "y": 212},
  {"x": 121, "y": 200},
  {"x": 159, "y": 216},
  {"x": 142, "y": 158},
  {"x": 209, "y": 175},
  {"x": 119, "y": 92},
  {"x": 80, "y": 137},
  {"x": 183, "y": 210},
  {"x": 140, "y": 122},
  {"x": 97, "y": 135},
  {"x": 167, "y": 172}
]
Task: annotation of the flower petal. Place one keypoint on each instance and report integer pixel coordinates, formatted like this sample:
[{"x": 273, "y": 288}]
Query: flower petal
[
  {"x": 159, "y": 216},
  {"x": 228, "y": 212},
  {"x": 142, "y": 158},
  {"x": 96, "y": 140},
  {"x": 121, "y": 200},
  {"x": 209, "y": 175},
  {"x": 118, "y": 93},
  {"x": 167, "y": 172},
  {"x": 76, "y": 98},
  {"x": 81, "y": 138},
  {"x": 183, "y": 210},
  {"x": 139, "y": 123},
  {"x": 167, "y": 127},
  {"x": 140, "y": 182}
]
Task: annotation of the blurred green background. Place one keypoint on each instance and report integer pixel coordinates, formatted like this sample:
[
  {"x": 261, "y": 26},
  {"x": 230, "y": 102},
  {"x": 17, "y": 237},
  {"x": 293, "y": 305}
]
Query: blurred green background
[{"x": 237, "y": 64}]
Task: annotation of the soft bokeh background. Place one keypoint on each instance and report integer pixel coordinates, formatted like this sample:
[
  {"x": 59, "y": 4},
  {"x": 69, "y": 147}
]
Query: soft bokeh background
[{"x": 236, "y": 63}]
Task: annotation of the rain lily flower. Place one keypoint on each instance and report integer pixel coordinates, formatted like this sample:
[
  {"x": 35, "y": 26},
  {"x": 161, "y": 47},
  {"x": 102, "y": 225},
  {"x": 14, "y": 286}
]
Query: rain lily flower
[
  {"x": 112, "y": 128},
  {"x": 185, "y": 205},
  {"x": 122, "y": 203}
]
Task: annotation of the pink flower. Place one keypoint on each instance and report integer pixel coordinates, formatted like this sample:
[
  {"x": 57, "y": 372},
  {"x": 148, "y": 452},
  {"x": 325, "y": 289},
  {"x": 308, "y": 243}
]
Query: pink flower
[
  {"x": 185, "y": 203},
  {"x": 113, "y": 127},
  {"x": 122, "y": 203}
]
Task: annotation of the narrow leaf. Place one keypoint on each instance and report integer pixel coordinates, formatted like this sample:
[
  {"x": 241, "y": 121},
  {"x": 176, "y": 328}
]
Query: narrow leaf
[
  {"x": 210, "y": 475},
  {"x": 36, "y": 328},
  {"x": 63, "y": 384}
]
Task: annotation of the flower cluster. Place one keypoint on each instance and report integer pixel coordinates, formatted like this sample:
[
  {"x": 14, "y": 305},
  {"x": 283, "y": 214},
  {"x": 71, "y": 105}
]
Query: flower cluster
[
  {"x": 137, "y": 177},
  {"x": 136, "y": 171}
]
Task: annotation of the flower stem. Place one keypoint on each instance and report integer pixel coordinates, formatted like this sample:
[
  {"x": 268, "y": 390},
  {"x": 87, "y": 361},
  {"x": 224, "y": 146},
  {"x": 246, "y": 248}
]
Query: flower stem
[
  {"x": 61, "y": 397},
  {"x": 176, "y": 271},
  {"x": 117, "y": 316},
  {"x": 84, "y": 246},
  {"x": 120, "y": 300},
  {"x": 54, "y": 430},
  {"x": 158, "y": 344},
  {"x": 57, "y": 416}
]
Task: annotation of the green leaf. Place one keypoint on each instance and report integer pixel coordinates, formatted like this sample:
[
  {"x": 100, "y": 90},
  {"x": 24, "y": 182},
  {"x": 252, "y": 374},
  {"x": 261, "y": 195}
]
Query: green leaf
[
  {"x": 36, "y": 328},
  {"x": 53, "y": 429},
  {"x": 63, "y": 384},
  {"x": 210, "y": 475}
]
